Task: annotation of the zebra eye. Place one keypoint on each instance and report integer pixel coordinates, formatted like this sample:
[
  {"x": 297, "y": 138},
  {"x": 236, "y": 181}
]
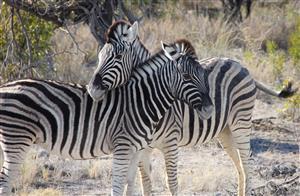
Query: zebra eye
[
  {"x": 125, "y": 34},
  {"x": 187, "y": 76},
  {"x": 119, "y": 56}
]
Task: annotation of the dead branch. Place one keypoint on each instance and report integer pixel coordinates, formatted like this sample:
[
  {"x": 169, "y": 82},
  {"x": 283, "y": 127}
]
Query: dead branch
[
  {"x": 272, "y": 186},
  {"x": 126, "y": 12},
  {"x": 28, "y": 42},
  {"x": 74, "y": 41},
  {"x": 289, "y": 181},
  {"x": 48, "y": 15},
  {"x": 232, "y": 10}
]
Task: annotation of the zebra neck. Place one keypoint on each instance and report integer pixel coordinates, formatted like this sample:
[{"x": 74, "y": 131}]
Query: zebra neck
[
  {"x": 153, "y": 96},
  {"x": 141, "y": 52}
]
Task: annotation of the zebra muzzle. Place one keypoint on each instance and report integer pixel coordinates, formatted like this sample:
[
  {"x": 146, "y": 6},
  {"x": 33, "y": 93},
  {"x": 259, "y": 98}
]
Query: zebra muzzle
[
  {"x": 97, "y": 94},
  {"x": 206, "y": 112}
]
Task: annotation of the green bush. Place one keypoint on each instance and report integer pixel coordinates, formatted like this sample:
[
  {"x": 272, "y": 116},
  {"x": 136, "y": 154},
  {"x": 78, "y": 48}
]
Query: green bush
[
  {"x": 294, "y": 45},
  {"x": 39, "y": 34},
  {"x": 277, "y": 58}
]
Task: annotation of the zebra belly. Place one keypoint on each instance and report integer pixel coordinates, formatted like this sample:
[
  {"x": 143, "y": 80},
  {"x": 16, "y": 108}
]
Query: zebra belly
[
  {"x": 62, "y": 119},
  {"x": 195, "y": 130},
  {"x": 75, "y": 154}
]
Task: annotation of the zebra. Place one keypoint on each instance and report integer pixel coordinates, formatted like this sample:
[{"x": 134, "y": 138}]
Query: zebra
[
  {"x": 65, "y": 120},
  {"x": 231, "y": 88}
]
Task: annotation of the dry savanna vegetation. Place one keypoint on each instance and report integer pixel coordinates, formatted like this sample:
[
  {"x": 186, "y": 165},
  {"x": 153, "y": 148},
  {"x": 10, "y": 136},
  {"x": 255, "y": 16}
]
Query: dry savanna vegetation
[{"x": 267, "y": 43}]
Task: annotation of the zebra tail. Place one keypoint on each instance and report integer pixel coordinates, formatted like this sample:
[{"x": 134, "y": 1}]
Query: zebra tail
[{"x": 286, "y": 92}]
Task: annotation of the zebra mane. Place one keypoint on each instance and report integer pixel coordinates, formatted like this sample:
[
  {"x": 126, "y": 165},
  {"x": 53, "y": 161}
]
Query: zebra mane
[
  {"x": 181, "y": 45},
  {"x": 184, "y": 46},
  {"x": 115, "y": 29}
]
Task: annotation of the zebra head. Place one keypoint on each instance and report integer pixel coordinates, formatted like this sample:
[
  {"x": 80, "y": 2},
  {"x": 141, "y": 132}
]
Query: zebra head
[
  {"x": 115, "y": 60},
  {"x": 190, "y": 71}
]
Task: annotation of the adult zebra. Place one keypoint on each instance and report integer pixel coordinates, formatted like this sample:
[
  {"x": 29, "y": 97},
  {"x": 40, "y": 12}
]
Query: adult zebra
[
  {"x": 233, "y": 92},
  {"x": 64, "y": 119}
]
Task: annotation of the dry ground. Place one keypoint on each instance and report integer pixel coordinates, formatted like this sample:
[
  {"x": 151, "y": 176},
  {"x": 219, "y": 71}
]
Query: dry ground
[{"x": 203, "y": 170}]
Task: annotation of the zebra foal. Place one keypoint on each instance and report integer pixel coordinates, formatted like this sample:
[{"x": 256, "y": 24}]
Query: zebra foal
[
  {"x": 65, "y": 120},
  {"x": 233, "y": 92}
]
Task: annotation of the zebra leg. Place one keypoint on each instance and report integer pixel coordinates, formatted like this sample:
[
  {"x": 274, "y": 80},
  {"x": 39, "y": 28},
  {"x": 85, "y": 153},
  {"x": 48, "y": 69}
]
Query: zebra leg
[
  {"x": 241, "y": 137},
  {"x": 121, "y": 159},
  {"x": 145, "y": 169},
  {"x": 228, "y": 144},
  {"x": 171, "y": 159},
  {"x": 132, "y": 173},
  {"x": 13, "y": 158}
]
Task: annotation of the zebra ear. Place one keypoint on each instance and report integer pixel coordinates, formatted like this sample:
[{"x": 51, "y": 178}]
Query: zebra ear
[
  {"x": 133, "y": 32},
  {"x": 170, "y": 51}
]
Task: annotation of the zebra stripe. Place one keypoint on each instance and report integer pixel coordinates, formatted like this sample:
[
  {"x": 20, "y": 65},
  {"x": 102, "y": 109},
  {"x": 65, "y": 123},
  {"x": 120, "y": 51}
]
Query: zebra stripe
[
  {"x": 233, "y": 92},
  {"x": 65, "y": 120}
]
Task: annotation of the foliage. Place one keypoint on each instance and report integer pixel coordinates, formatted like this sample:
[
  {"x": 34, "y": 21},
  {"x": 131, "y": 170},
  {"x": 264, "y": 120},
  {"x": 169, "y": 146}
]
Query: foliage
[
  {"x": 277, "y": 58},
  {"x": 17, "y": 54},
  {"x": 291, "y": 106},
  {"x": 248, "y": 56},
  {"x": 294, "y": 45}
]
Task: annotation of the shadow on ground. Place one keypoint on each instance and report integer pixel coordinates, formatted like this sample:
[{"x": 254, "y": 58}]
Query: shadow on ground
[{"x": 259, "y": 145}]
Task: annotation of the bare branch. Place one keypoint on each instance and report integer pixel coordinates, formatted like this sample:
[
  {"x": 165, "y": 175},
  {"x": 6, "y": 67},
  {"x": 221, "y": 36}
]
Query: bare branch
[
  {"x": 98, "y": 14},
  {"x": 28, "y": 42},
  {"x": 74, "y": 40},
  {"x": 232, "y": 10},
  {"x": 48, "y": 15},
  {"x": 0, "y": 7},
  {"x": 127, "y": 12}
]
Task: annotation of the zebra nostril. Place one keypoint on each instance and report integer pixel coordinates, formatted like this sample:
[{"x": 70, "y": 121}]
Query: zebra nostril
[
  {"x": 104, "y": 86},
  {"x": 98, "y": 80},
  {"x": 98, "y": 83}
]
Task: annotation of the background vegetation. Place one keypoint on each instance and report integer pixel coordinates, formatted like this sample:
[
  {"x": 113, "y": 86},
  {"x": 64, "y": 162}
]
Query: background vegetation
[{"x": 64, "y": 46}]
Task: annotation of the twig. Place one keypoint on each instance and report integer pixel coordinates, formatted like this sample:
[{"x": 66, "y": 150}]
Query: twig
[
  {"x": 24, "y": 5},
  {"x": 74, "y": 40},
  {"x": 9, "y": 47},
  {"x": 28, "y": 41},
  {"x": 282, "y": 184},
  {"x": 15, "y": 44},
  {"x": 127, "y": 12},
  {"x": 36, "y": 63},
  {"x": 0, "y": 7},
  {"x": 12, "y": 27},
  {"x": 288, "y": 182},
  {"x": 43, "y": 12}
]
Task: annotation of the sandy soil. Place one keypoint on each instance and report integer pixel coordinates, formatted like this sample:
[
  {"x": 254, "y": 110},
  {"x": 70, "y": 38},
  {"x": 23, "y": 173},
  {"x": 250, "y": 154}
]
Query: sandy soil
[{"x": 203, "y": 170}]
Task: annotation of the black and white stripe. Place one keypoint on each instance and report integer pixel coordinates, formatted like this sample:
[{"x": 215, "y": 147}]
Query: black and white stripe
[
  {"x": 65, "y": 120},
  {"x": 233, "y": 92}
]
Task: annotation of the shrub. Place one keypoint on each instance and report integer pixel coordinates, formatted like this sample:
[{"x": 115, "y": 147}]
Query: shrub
[
  {"x": 277, "y": 58},
  {"x": 294, "y": 45},
  {"x": 13, "y": 44}
]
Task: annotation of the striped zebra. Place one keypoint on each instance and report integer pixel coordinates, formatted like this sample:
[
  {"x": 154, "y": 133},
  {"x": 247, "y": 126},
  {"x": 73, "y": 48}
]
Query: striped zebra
[
  {"x": 65, "y": 120},
  {"x": 233, "y": 92}
]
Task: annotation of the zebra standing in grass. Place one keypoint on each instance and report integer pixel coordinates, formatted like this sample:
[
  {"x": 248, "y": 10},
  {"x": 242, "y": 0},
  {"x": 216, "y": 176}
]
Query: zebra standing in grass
[
  {"x": 64, "y": 119},
  {"x": 231, "y": 88}
]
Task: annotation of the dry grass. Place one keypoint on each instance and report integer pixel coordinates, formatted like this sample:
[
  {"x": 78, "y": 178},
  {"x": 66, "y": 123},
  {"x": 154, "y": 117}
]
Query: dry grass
[
  {"x": 99, "y": 169},
  {"x": 201, "y": 170},
  {"x": 42, "y": 192},
  {"x": 28, "y": 171},
  {"x": 245, "y": 42}
]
